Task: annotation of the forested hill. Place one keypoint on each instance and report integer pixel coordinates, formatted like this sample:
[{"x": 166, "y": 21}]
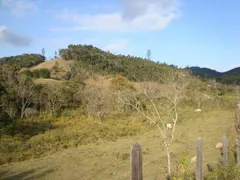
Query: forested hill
[
  {"x": 105, "y": 63},
  {"x": 24, "y": 60},
  {"x": 134, "y": 68},
  {"x": 227, "y": 77},
  {"x": 97, "y": 61}
]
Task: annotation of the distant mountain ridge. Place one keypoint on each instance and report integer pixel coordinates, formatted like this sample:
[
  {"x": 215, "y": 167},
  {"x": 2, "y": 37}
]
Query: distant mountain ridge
[{"x": 227, "y": 77}]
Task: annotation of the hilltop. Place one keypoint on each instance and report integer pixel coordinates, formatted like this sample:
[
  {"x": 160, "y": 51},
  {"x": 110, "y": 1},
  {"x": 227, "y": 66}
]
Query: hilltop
[
  {"x": 94, "y": 60},
  {"x": 98, "y": 61},
  {"x": 228, "y": 77}
]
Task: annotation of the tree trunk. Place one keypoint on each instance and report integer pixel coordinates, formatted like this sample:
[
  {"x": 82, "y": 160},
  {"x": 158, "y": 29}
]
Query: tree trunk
[
  {"x": 22, "y": 112},
  {"x": 169, "y": 163}
]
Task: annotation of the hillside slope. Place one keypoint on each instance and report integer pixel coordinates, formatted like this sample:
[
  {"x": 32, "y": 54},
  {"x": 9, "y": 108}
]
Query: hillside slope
[
  {"x": 105, "y": 63},
  {"x": 63, "y": 64},
  {"x": 232, "y": 75},
  {"x": 204, "y": 72},
  {"x": 23, "y": 61},
  {"x": 227, "y": 77},
  {"x": 110, "y": 160}
]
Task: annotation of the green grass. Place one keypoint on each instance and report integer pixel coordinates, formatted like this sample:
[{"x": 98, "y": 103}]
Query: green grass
[
  {"x": 108, "y": 157},
  {"x": 38, "y": 138}
]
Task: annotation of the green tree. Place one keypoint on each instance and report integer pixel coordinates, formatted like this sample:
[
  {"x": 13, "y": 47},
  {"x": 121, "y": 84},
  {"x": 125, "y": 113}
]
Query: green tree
[{"x": 149, "y": 55}]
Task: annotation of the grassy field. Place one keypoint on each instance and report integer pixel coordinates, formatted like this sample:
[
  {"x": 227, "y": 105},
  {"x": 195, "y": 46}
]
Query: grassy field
[
  {"x": 109, "y": 159},
  {"x": 63, "y": 64}
]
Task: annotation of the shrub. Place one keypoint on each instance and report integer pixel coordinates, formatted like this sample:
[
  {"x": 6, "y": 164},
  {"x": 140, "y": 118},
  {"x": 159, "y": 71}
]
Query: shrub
[
  {"x": 183, "y": 171},
  {"x": 31, "y": 112},
  {"x": 120, "y": 83},
  {"x": 221, "y": 91},
  {"x": 224, "y": 173},
  {"x": 28, "y": 73},
  {"x": 38, "y": 73},
  {"x": 35, "y": 73},
  {"x": 97, "y": 102},
  {"x": 44, "y": 73},
  {"x": 5, "y": 123}
]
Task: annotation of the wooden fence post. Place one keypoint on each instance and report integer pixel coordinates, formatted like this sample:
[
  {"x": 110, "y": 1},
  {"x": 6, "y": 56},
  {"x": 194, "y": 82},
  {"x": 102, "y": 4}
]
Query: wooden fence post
[
  {"x": 225, "y": 150},
  {"x": 238, "y": 152},
  {"x": 136, "y": 162},
  {"x": 199, "y": 159}
]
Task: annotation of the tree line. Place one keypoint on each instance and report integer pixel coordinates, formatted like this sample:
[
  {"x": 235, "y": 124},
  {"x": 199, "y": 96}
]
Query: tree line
[
  {"x": 94, "y": 59},
  {"x": 24, "y": 60},
  {"x": 230, "y": 77},
  {"x": 21, "y": 97}
]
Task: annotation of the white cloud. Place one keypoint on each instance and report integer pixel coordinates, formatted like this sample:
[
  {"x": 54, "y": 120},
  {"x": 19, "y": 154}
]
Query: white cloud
[
  {"x": 236, "y": 65},
  {"x": 135, "y": 8},
  {"x": 19, "y": 8},
  {"x": 132, "y": 16},
  {"x": 9, "y": 37},
  {"x": 118, "y": 45}
]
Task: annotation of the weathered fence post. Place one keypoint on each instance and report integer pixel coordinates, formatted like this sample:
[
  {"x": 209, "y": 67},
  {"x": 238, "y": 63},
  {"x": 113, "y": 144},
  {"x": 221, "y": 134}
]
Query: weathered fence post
[
  {"x": 238, "y": 152},
  {"x": 225, "y": 150},
  {"x": 199, "y": 159},
  {"x": 136, "y": 162}
]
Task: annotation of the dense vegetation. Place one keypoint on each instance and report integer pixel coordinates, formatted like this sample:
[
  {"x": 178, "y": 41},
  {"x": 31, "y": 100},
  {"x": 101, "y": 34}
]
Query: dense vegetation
[
  {"x": 38, "y": 73},
  {"x": 24, "y": 60},
  {"x": 92, "y": 58},
  {"x": 231, "y": 76},
  {"x": 21, "y": 97},
  {"x": 64, "y": 111},
  {"x": 228, "y": 77}
]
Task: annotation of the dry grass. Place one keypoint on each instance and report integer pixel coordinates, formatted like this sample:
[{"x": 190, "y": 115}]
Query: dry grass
[
  {"x": 98, "y": 81},
  {"x": 48, "y": 81},
  {"x": 110, "y": 160},
  {"x": 49, "y": 64}
]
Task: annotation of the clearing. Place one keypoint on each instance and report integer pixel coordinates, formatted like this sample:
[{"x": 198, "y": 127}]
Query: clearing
[{"x": 110, "y": 160}]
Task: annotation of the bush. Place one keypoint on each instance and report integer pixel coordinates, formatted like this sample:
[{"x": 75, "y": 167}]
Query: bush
[
  {"x": 224, "y": 173},
  {"x": 38, "y": 73},
  {"x": 5, "y": 123},
  {"x": 44, "y": 73},
  {"x": 35, "y": 73},
  {"x": 31, "y": 112},
  {"x": 28, "y": 73},
  {"x": 97, "y": 102},
  {"x": 121, "y": 83},
  {"x": 183, "y": 171}
]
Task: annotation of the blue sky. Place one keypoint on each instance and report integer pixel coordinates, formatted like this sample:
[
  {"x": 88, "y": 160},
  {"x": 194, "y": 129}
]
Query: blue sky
[{"x": 181, "y": 32}]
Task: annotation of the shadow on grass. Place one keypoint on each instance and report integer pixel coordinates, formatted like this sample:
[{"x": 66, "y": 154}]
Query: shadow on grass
[
  {"x": 26, "y": 175},
  {"x": 30, "y": 129}
]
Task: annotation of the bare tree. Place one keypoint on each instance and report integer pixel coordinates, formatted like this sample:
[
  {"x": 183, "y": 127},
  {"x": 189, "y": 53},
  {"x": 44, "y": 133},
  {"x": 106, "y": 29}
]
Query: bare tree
[
  {"x": 237, "y": 112},
  {"x": 214, "y": 88},
  {"x": 159, "y": 103},
  {"x": 77, "y": 73},
  {"x": 238, "y": 95},
  {"x": 24, "y": 88},
  {"x": 55, "y": 99},
  {"x": 9, "y": 107},
  {"x": 97, "y": 101},
  {"x": 197, "y": 92}
]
